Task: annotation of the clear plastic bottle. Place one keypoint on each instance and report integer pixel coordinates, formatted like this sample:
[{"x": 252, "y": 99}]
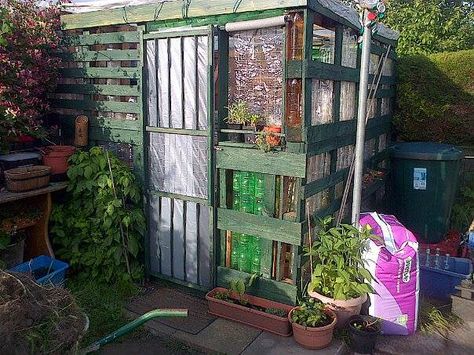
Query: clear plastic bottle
[
  {"x": 236, "y": 187},
  {"x": 256, "y": 253},
  {"x": 234, "y": 256},
  {"x": 436, "y": 262},
  {"x": 446, "y": 262},
  {"x": 293, "y": 109},
  {"x": 259, "y": 186},
  {"x": 244, "y": 253},
  {"x": 428, "y": 257},
  {"x": 295, "y": 37}
]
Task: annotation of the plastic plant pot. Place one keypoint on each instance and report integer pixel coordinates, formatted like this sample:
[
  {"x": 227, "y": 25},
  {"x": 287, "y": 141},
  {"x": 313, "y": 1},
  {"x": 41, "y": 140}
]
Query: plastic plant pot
[
  {"x": 56, "y": 157},
  {"x": 362, "y": 340},
  {"x": 314, "y": 338}
]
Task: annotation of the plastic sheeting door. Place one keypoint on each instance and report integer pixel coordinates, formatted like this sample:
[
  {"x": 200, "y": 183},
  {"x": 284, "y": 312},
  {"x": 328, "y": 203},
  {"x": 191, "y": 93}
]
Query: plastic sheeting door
[{"x": 179, "y": 106}]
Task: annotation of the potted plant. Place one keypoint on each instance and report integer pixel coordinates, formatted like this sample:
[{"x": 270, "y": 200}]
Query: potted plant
[
  {"x": 363, "y": 332},
  {"x": 272, "y": 135},
  {"x": 236, "y": 305},
  {"x": 313, "y": 324},
  {"x": 339, "y": 278},
  {"x": 239, "y": 115}
]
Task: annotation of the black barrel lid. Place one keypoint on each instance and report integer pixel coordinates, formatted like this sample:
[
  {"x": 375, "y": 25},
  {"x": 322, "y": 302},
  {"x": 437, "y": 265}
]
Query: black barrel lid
[{"x": 426, "y": 151}]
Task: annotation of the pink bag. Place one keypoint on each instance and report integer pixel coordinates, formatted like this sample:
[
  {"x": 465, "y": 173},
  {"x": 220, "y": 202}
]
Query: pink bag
[{"x": 394, "y": 265}]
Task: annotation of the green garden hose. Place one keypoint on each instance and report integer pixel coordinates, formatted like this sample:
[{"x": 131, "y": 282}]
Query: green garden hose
[{"x": 127, "y": 328}]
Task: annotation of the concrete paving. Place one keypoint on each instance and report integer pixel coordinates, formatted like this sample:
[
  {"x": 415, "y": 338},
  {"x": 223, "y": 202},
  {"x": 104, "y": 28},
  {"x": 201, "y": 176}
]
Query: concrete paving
[
  {"x": 269, "y": 344},
  {"x": 226, "y": 337}
]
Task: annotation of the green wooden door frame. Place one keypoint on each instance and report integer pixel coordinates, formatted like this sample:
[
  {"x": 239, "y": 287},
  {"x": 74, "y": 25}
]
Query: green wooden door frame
[{"x": 210, "y": 32}]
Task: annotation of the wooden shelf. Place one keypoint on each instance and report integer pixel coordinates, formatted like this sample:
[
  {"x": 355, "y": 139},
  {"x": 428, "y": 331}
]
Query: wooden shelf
[
  {"x": 7, "y": 196},
  {"x": 37, "y": 243}
]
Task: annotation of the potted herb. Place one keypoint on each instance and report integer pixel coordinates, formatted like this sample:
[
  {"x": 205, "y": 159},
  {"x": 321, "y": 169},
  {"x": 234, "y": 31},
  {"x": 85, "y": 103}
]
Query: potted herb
[
  {"x": 313, "y": 324},
  {"x": 235, "y": 304},
  {"x": 239, "y": 115},
  {"x": 363, "y": 332},
  {"x": 340, "y": 278}
]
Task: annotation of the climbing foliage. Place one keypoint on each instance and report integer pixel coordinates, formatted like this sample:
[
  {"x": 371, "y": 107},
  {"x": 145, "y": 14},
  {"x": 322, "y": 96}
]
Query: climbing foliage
[{"x": 100, "y": 227}]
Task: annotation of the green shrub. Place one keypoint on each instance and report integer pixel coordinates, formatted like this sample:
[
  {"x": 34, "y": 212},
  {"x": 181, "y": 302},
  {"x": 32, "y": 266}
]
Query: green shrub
[
  {"x": 99, "y": 229},
  {"x": 435, "y": 98}
]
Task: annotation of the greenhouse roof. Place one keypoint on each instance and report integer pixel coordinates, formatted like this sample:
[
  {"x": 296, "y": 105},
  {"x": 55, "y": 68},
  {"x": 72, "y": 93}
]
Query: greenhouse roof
[{"x": 91, "y": 13}]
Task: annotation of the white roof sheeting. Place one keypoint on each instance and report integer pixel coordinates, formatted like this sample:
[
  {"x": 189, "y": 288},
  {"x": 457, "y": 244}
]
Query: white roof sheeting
[{"x": 97, "y": 5}]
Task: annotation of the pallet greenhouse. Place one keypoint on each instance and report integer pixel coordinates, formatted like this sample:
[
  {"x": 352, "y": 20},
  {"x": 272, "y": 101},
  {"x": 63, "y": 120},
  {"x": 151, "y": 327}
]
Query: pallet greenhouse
[{"x": 156, "y": 81}]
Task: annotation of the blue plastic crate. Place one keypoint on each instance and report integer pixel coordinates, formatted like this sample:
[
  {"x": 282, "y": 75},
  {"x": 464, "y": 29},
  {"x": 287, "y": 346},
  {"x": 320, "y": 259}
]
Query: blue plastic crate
[
  {"x": 439, "y": 282},
  {"x": 45, "y": 270}
]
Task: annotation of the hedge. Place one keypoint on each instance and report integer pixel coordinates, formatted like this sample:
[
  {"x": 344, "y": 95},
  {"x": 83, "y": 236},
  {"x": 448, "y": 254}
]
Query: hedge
[{"x": 435, "y": 98}]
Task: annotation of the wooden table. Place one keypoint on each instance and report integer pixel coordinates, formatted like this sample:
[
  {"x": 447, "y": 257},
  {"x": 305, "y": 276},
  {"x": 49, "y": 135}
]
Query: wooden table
[{"x": 37, "y": 241}]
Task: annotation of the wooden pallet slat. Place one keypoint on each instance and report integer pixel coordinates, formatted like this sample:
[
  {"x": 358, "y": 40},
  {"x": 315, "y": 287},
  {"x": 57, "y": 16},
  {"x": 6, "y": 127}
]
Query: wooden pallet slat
[
  {"x": 262, "y": 226},
  {"x": 101, "y": 73},
  {"x": 254, "y": 160},
  {"x": 97, "y": 89},
  {"x": 103, "y": 106},
  {"x": 98, "y": 56},
  {"x": 102, "y": 38}
]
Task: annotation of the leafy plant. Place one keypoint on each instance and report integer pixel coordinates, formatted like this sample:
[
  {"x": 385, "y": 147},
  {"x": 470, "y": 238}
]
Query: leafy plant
[
  {"x": 311, "y": 313},
  {"x": 239, "y": 113},
  {"x": 277, "y": 312},
  {"x": 339, "y": 271},
  {"x": 370, "y": 324},
  {"x": 223, "y": 296},
  {"x": 430, "y": 26},
  {"x": 239, "y": 287},
  {"x": 262, "y": 143},
  {"x": 463, "y": 210},
  {"x": 99, "y": 228},
  {"x": 29, "y": 63}
]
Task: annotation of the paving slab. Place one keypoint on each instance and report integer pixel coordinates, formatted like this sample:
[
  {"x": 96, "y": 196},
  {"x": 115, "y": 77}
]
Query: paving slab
[
  {"x": 271, "y": 344},
  {"x": 221, "y": 336},
  {"x": 163, "y": 296},
  {"x": 458, "y": 342}
]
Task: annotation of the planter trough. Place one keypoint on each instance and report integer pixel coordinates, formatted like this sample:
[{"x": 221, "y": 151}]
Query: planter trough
[{"x": 246, "y": 315}]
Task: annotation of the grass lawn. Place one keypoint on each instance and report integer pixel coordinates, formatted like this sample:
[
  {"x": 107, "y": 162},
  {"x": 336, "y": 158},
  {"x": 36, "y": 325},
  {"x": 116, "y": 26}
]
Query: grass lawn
[{"x": 103, "y": 304}]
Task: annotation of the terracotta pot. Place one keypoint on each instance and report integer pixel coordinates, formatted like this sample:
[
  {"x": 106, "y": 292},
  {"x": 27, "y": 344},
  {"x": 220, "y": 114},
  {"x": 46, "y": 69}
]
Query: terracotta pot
[
  {"x": 344, "y": 309},
  {"x": 56, "y": 157},
  {"x": 271, "y": 139},
  {"x": 253, "y": 317},
  {"x": 314, "y": 338}
]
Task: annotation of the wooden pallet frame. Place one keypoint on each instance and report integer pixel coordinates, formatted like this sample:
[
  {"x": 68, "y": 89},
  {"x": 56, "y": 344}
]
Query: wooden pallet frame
[{"x": 290, "y": 162}]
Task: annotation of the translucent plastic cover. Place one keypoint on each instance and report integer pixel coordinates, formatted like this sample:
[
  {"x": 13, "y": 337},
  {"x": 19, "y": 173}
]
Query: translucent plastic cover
[{"x": 256, "y": 71}]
